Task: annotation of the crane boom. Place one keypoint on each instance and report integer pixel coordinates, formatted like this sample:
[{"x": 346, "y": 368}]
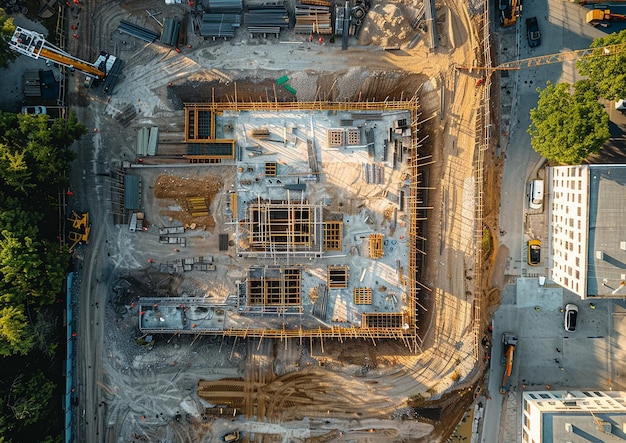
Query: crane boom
[
  {"x": 560, "y": 57},
  {"x": 34, "y": 45}
]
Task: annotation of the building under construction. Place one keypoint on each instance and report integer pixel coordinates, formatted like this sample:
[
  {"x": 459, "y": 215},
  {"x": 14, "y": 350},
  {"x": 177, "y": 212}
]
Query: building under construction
[{"x": 320, "y": 231}]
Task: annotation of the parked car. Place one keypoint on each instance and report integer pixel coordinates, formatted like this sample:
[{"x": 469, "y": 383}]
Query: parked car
[
  {"x": 535, "y": 194},
  {"x": 534, "y": 252},
  {"x": 35, "y": 110},
  {"x": 571, "y": 315},
  {"x": 532, "y": 32}
]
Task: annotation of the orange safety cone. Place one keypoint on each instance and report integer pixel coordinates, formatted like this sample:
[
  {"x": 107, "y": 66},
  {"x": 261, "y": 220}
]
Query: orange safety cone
[
  {"x": 75, "y": 36},
  {"x": 177, "y": 49}
]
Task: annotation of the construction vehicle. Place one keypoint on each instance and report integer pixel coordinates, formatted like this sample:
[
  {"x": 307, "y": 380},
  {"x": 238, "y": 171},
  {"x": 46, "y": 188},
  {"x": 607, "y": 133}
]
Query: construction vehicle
[
  {"x": 104, "y": 70},
  {"x": 509, "y": 341},
  {"x": 603, "y": 17},
  {"x": 231, "y": 437},
  {"x": 508, "y": 11},
  {"x": 81, "y": 229}
]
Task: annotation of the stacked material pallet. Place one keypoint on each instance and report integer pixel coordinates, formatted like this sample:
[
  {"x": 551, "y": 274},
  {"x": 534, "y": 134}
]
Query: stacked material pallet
[
  {"x": 266, "y": 19},
  {"x": 147, "y": 140},
  {"x": 197, "y": 206},
  {"x": 313, "y": 19},
  {"x": 171, "y": 29},
  {"x": 224, "y": 6},
  {"x": 219, "y": 25}
]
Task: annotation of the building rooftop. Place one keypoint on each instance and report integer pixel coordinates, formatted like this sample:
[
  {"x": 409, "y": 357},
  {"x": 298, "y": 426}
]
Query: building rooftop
[{"x": 606, "y": 254}]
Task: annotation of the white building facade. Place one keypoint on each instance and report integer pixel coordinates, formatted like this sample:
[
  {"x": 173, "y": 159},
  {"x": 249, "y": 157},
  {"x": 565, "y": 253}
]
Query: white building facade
[
  {"x": 569, "y": 191},
  {"x": 587, "y": 234}
]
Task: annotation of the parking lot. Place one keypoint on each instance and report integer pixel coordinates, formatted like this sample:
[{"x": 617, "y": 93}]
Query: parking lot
[{"x": 546, "y": 354}]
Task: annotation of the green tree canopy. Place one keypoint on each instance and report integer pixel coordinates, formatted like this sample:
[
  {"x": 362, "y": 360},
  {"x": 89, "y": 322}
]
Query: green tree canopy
[
  {"x": 566, "y": 127},
  {"x": 16, "y": 336},
  {"x": 7, "y": 28},
  {"x": 607, "y": 72},
  {"x": 28, "y": 399}
]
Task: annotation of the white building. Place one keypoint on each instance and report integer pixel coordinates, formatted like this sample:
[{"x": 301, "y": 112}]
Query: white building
[
  {"x": 574, "y": 416},
  {"x": 587, "y": 237}
]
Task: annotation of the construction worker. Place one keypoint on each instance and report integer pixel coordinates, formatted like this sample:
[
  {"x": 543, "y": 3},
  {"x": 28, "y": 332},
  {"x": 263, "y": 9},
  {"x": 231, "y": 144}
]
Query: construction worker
[{"x": 592, "y": 306}]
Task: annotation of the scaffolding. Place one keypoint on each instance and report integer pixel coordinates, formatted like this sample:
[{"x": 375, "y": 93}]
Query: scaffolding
[
  {"x": 297, "y": 229},
  {"x": 281, "y": 228}
]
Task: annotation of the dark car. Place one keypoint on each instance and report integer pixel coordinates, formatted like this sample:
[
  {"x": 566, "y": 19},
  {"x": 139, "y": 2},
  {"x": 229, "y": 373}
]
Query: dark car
[
  {"x": 532, "y": 32},
  {"x": 571, "y": 315}
]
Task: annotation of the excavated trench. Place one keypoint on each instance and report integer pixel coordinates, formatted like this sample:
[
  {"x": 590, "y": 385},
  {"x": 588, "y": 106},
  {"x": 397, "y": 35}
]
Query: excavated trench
[{"x": 378, "y": 86}]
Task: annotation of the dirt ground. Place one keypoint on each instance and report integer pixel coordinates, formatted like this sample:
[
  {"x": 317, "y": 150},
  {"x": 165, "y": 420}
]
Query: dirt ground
[{"x": 289, "y": 390}]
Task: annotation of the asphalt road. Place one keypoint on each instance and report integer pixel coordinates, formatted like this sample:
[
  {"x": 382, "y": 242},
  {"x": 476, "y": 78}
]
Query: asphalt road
[
  {"x": 93, "y": 295},
  {"x": 563, "y": 28}
]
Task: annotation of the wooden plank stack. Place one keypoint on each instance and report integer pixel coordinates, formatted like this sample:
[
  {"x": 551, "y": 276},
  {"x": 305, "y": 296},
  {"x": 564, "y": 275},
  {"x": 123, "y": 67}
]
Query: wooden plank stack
[
  {"x": 197, "y": 206},
  {"x": 313, "y": 19}
]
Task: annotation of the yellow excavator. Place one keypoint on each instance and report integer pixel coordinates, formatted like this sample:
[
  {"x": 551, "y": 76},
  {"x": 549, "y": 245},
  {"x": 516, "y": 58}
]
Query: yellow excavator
[{"x": 80, "y": 229}]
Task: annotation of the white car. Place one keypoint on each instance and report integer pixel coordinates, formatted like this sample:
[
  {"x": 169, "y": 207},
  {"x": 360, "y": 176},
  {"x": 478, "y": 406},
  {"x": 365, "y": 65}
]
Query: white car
[
  {"x": 571, "y": 315},
  {"x": 34, "y": 110}
]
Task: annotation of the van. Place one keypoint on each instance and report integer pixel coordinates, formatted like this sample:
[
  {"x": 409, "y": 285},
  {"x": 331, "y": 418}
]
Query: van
[{"x": 535, "y": 194}]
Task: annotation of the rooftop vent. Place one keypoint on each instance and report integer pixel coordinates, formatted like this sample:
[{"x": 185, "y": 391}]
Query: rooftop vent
[
  {"x": 599, "y": 255},
  {"x": 622, "y": 245},
  {"x": 569, "y": 427}
]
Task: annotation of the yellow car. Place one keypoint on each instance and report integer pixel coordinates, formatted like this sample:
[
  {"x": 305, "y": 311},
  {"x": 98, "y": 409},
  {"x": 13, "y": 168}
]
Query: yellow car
[{"x": 534, "y": 252}]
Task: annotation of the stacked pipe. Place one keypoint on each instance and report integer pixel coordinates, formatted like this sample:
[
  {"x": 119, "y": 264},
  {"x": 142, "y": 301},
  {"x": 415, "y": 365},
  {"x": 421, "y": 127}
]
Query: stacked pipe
[
  {"x": 312, "y": 19},
  {"x": 138, "y": 31},
  {"x": 171, "y": 27},
  {"x": 219, "y": 25},
  {"x": 225, "y": 6},
  {"x": 266, "y": 20}
]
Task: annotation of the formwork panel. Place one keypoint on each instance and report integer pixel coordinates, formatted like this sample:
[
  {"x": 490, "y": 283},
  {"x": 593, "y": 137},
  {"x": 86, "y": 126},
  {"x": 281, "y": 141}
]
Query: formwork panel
[
  {"x": 362, "y": 296},
  {"x": 337, "y": 276},
  {"x": 333, "y": 236}
]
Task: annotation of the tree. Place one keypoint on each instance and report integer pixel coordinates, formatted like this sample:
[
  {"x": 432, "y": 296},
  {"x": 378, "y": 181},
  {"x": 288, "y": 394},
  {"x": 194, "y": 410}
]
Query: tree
[
  {"x": 7, "y": 28},
  {"x": 566, "y": 127},
  {"x": 15, "y": 334},
  {"x": 607, "y": 72},
  {"x": 29, "y": 400}
]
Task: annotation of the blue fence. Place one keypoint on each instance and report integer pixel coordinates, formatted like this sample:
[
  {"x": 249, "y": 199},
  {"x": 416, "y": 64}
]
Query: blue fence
[{"x": 69, "y": 376}]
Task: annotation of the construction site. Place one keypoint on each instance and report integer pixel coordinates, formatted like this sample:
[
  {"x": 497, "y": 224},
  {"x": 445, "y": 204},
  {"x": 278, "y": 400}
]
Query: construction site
[
  {"x": 316, "y": 225},
  {"x": 277, "y": 237}
]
